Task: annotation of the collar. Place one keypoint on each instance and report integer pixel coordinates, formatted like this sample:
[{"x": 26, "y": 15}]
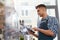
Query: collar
[{"x": 45, "y": 18}]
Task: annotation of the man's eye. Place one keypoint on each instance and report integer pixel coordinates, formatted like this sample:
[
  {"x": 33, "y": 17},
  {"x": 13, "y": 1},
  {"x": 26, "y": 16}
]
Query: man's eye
[{"x": 38, "y": 11}]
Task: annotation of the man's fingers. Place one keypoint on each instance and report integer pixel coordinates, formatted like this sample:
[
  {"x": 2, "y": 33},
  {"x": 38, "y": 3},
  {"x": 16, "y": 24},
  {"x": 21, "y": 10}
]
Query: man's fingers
[
  {"x": 30, "y": 32},
  {"x": 34, "y": 29}
]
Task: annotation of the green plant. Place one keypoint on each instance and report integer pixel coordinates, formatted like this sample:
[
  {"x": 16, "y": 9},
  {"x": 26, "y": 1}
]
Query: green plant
[{"x": 21, "y": 38}]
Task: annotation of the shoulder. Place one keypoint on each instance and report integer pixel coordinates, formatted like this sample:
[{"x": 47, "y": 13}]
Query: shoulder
[{"x": 52, "y": 18}]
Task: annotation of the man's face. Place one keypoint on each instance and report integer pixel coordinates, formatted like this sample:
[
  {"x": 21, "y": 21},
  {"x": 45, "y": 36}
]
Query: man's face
[{"x": 41, "y": 11}]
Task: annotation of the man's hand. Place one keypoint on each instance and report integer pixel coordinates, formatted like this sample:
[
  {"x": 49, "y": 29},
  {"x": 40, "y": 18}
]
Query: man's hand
[
  {"x": 33, "y": 34},
  {"x": 35, "y": 29}
]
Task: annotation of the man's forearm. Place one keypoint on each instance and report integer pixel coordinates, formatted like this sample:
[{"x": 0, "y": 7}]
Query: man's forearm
[{"x": 46, "y": 32}]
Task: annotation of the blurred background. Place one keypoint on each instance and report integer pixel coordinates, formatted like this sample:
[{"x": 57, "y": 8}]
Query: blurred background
[{"x": 12, "y": 12}]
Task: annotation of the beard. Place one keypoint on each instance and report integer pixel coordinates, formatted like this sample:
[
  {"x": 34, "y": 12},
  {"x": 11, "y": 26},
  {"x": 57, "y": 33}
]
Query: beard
[{"x": 41, "y": 15}]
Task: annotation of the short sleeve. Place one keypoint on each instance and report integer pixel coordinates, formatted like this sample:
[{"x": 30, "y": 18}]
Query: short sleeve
[{"x": 53, "y": 25}]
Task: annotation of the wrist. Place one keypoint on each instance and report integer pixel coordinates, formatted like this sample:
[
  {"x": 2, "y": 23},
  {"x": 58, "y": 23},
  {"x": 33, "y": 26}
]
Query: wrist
[{"x": 38, "y": 29}]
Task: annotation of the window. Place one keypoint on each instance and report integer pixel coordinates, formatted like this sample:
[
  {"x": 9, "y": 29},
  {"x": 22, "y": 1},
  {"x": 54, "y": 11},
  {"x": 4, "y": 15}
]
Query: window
[{"x": 24, "y": 12}]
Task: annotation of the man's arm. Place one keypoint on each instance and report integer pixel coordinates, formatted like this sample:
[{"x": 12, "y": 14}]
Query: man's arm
[
  {"x": 46, "y": 32},
  {"x": 53, "y": 28}
]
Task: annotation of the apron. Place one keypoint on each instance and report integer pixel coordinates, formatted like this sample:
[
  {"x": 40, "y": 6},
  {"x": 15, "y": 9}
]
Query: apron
[{"x": 42, "y": 36}]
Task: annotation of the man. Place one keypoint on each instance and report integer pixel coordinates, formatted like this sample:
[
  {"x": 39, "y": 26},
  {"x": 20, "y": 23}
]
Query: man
[{"x": 48, "y": 28}]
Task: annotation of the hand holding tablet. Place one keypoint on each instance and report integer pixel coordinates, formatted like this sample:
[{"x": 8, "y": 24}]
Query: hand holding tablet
[{"x": 30, "y": 30}]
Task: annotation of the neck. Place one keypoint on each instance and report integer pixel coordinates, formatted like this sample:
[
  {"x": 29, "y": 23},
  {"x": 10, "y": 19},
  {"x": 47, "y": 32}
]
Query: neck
[{"x": 44, "y": 16}]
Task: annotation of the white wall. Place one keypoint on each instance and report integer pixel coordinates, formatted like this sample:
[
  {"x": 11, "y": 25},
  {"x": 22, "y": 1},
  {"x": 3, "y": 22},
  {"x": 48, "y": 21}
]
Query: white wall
[{"x": 59, "y": 8}]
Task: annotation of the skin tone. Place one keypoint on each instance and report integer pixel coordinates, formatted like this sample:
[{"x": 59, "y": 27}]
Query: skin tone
[{"x": 42, "y": 13}]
